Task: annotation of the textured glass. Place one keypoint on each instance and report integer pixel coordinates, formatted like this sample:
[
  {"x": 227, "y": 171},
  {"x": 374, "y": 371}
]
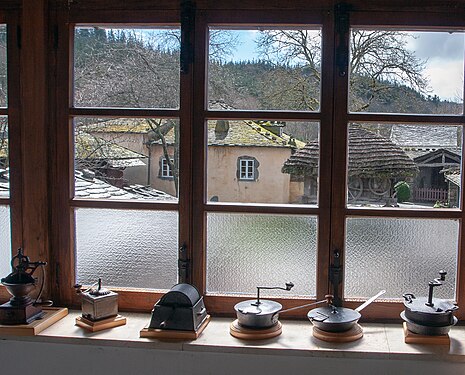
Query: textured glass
[
  {"x": 283, "y": 157},
  {"x": 245, "y": 251},
  {"x": 135, "y": 249},
  {"x": 3, "y": 67},
  {"x": 409, "y": 166},
  {"x": 400, "y": 256},
  {"x": 394, "y": 71},
  {"x": 126, "y": 67},
  {"x": 262, "y": 68},
  {"x": 5, "y": 241},
  {"x": 123, "y": 158}
]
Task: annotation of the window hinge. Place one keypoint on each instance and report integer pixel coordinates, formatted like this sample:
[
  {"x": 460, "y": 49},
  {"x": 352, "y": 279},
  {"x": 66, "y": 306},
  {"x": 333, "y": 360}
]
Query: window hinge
[
  {"x": 183, "y": 264},
  {"x": 342, "y": 20},
  {"x": 187, "y": 26},
  {"x": 335, "y": 273},
  {"x": 18, "y": 36}
]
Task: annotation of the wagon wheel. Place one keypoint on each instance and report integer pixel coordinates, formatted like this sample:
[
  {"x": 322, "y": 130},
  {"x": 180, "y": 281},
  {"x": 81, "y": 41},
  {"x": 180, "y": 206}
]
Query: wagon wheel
[
  {"x": 355, "y": 187},
  {"x": 379, "y": 185}
]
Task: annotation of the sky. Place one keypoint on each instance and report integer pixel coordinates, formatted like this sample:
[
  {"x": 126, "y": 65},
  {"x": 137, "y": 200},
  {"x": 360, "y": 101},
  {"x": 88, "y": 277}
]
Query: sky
[{"x": 442, "y": 51}]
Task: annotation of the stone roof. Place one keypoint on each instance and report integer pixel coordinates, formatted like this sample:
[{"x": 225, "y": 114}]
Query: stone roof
[
  {"x": 453, "y": 175},
  {"x": 91, "y": 147},
  {"x": 240, "y": 133},
  {"x": 4, "y": 183},
  {"x": 421, "y": 137},
  {"x": 370, "y": 155},
  {"x": 87, "y": 186}
]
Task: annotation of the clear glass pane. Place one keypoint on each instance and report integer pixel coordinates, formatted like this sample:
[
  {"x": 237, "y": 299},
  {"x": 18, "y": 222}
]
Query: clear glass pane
[
  {"x": 400, "y": 256},
  {"x": 282, "y": 160},
  {"x": 5, "y": 241},
  {"x": 264, "y": 68},
  {"x": 245, "y": 251},
  {"x": 126, "y": 67},
  {"x": 395, "y": 71},
  {"x": 404, "y": 166},
  {"x": 133, "y": 249},
  {"x": 4, "y": 159},
  {"x": 3, "y": 67},
  {"x": 126, "y": 158}
]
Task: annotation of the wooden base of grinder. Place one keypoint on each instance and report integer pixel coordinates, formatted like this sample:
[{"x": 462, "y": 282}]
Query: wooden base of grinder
[
  {"x": 353, "y": 334},
  {"x": 241, "y": 332},
  {"x": 52, "y": 315},
  {"x": 100, "y": 325},
  {"x": 172, "y": 334},
  {"x": 415, "y": 338}
]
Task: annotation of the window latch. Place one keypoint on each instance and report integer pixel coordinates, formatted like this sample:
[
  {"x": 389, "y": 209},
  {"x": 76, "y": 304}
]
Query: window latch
[
  {"x": 183, "y": 264},
  {"x": 335, "y": 274}
]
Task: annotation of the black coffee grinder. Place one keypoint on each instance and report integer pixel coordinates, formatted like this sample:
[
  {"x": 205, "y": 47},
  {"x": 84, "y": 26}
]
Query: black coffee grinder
[{"x": 21, "y": 309}]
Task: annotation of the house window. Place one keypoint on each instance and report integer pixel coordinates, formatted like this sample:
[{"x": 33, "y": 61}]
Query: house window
[
  {"x": 166, "y": 170},
  {"x": 247, "y": 170},
  {"x": 353, "y": 151}
]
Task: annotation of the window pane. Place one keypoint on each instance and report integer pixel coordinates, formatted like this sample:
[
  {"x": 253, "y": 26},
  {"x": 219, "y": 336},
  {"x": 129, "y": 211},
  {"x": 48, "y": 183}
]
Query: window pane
[
  {"x": 135, "y": 249},
  {"x": 406, "y": 72},
  {"x": 5, "y": 241},
  {"x": 400, "y": 256},
  {"x": 3, "y": 65},
  {"x": 123, "y": 158},
  {"x": 264, "y": 68},
  {"x": 126, "y": 67},
  {"x": 284, "y": 160},
  {"x": 245, "y": 251},
  {"x": 405, "y": 166},
  {"x": 4, "y": 159}
]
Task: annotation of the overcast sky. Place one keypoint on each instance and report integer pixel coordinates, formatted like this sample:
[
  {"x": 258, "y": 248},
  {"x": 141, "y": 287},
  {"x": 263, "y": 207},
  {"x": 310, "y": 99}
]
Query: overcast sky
[{"x": 444, "y": 53}]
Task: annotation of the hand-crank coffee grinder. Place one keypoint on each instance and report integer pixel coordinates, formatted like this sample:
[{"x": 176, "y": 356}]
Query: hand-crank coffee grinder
[{"x": 21, "y": 309}]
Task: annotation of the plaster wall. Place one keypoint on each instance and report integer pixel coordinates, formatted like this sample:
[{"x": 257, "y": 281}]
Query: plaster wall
[
  {"x": 41, "y": 358},
  {"x": 271, "y": 186}
]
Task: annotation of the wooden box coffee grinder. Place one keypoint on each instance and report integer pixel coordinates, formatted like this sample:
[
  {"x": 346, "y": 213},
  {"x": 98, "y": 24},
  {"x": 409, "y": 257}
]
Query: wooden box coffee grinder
[{"x": 99, "y": 308}]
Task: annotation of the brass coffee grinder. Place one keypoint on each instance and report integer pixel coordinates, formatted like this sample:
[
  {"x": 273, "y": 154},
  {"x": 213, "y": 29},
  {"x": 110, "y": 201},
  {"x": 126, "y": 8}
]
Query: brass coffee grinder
[{"x": 21, "y": 309}]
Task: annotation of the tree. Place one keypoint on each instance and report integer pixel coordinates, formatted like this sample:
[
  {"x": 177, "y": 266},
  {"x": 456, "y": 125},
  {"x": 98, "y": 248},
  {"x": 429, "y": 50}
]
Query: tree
[
  {"x": 132, "y": 69},
  {"x": 379, "y": 62}
]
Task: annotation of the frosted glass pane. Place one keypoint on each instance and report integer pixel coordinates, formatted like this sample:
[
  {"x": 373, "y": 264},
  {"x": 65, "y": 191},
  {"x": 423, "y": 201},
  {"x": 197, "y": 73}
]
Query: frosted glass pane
[
  {"x": 137, "y": 249},
  {"x": 245, "y": 251},
  {"x": 400, "y": 256},
  {"x": 5, "y": 241}
]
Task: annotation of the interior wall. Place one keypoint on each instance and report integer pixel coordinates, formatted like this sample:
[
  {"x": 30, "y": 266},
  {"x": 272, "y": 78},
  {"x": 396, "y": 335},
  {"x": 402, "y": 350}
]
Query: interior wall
[{"x": 42, "y": 358}]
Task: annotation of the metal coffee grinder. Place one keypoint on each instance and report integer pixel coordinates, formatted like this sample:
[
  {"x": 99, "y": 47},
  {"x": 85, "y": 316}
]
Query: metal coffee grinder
[{"x": 21, "y": 309}]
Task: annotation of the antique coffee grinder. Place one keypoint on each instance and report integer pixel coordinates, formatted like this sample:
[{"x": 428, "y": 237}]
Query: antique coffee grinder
[
  {"x": 99, "y": 308},
  {"x": 21, "y": 309}
]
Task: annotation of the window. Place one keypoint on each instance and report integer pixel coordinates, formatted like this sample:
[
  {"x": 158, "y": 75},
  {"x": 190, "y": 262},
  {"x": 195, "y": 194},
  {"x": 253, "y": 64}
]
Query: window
[
  {"x": 165, "y": 170},
  {"x": 353, "y": 145},
  {"x": 5, "y": 154},
  {"x": 247, "y": 168}
]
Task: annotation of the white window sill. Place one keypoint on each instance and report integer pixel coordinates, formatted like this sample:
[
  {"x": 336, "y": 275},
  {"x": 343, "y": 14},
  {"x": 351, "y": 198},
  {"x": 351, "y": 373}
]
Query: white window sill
[{"x": 380, "y": 341}]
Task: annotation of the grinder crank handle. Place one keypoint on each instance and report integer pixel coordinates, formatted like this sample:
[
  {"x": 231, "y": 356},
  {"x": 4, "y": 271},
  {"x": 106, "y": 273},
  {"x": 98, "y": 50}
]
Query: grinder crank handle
[{"x": 363, "y": 305}]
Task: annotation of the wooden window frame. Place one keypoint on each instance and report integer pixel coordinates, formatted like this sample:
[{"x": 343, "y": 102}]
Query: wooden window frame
[{"x": 194, "y": 114}]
